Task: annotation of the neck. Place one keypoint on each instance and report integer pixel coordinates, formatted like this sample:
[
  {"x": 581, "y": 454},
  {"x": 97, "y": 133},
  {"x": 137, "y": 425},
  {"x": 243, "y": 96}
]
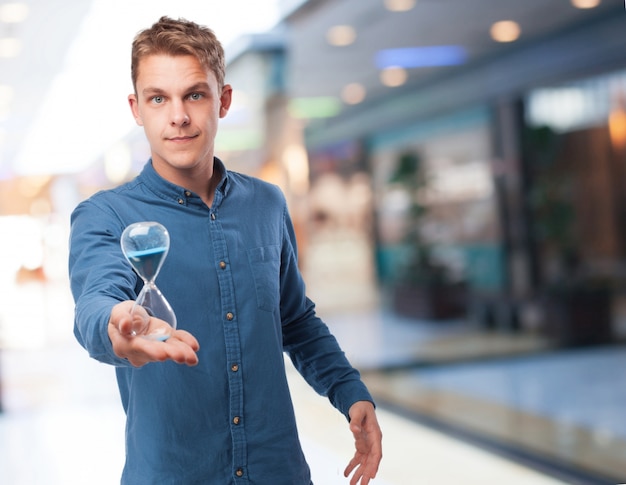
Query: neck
[{"x": 203, "y": 182}]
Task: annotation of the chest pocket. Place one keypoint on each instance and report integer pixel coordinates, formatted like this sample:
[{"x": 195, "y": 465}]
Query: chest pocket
[{"x": 265, "y": 266}]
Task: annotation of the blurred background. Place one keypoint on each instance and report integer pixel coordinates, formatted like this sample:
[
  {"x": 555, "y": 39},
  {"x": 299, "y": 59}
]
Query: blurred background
[{"x": 456, "y": 171}]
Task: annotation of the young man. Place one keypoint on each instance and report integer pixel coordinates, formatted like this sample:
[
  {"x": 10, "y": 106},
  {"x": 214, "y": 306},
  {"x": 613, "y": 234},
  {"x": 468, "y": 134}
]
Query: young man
[{"x": 232, "y": 278}]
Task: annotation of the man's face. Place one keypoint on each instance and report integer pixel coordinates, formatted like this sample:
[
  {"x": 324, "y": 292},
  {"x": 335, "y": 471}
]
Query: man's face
[{"x": 179, "y": 103}]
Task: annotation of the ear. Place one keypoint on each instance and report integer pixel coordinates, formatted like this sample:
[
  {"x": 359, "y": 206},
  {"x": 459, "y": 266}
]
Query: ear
[
  {"x": 134, "y": 107},
  {"x": 225, "y": 99}
]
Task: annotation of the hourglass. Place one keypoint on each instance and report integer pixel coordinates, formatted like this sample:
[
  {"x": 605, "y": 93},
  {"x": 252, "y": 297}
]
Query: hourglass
[{"x": 145, "y": 246}]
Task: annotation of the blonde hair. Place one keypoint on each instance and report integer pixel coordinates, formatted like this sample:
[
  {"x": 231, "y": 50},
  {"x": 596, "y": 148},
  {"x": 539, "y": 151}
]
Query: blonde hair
[{"x": 179, "y": 38}]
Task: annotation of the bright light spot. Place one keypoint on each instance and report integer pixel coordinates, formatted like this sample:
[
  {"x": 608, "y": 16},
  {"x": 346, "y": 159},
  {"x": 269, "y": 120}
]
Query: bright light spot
[
  {"x": 6, "y": 96},
  {"x": 397, "y": 200},
  {"x": 296, "y": 164},
  {"x": 13, "y": 13},
  {"x": 399, "y": 5},
  {"x": 23, "y": 248},
  {"x": 617, "y": 127},
  {"x": 393, "y": 76},
  {"x": 585, "y": 3},
  {"x": 353, "y": 93},
  {"x": 560, "y": 108},
  {"x": 341, "y": 35},
  {"x": 117, "y": 162},
  {"x": 9, "y": 47},
  {"x": 505, "y": 31},
  {"x": 3, "y": 135},
  {"x": 469, "y": 181}
]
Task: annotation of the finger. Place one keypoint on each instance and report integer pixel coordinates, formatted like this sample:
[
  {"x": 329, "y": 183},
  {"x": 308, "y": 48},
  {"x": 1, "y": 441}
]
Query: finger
[
  {"x": 355, "y": 428},
  {"x": 150, "y": 350},
  {"x": 352, "y": 465},
  {"x": 180, "y": 352},
  {"x": 131, "y": 319},
  {"x": 187, "y": 338},
  {"x": 123, "y": 347},
  {"x": 140, "y": 321},
  {"x": 357, "y": 476},
  {"x": 124, "y": 325}
]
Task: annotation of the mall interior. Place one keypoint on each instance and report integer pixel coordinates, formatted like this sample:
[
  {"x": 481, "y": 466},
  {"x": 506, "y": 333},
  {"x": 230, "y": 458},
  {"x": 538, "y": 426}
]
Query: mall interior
[{"x": 456, "y": 174}]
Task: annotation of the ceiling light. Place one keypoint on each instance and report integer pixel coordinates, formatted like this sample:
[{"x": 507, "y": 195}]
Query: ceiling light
[
  {"x": 353, "y": 93},
  {"x": 585, "y": 3},
  {"x": 399, "y": 5},
  {"x": 9, "y": 47},
  {"x": 393, "y": 76},
  {"x": 430, "y": 56},
  {"x": 341, "y": 35},
  {"x": 13, "y": 13},
  {"x": 505, "y": 31}
]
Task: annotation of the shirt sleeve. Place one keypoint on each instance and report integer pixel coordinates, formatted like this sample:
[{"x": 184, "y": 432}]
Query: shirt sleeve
[
  {"x": 307, "y": 340},
  {"x": 100, "y": 277}
]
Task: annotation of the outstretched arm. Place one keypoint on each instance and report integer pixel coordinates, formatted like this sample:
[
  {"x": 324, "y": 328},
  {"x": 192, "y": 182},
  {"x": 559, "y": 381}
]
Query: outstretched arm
[
  {"x": 368, "y": 442},
  {"x": 125, "y": 331}
]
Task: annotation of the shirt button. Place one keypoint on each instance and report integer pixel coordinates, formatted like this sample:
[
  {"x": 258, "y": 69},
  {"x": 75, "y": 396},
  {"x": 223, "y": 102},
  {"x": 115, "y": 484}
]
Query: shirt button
[
  {"x": 187, "y": 193},
  {"x": 229, "y": 316},
  {"x": 222, "y": 265},
  {"x": 234, "y": 367},
  {"x": 239, "y": 472},
  {"x": 181, "y": 201},
  {"x": 212, "y": 216},
  {"x": 236, "y": 420}
]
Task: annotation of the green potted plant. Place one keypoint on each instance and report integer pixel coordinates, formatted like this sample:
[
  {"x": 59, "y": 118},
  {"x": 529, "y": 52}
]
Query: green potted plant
[{"x": 423, "y": 286}]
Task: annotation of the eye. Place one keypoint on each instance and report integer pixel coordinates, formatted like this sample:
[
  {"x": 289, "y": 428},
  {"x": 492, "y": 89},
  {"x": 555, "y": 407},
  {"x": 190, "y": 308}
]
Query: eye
[
  {"x": 195, "y": 96},
  {"x": 158, "y": 99}
]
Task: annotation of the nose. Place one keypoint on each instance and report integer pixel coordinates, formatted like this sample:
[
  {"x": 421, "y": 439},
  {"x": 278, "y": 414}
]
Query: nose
[{"x": 179, "y": 116}]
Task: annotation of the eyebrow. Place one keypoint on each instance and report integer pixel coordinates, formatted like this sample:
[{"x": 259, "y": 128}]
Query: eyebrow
[{"x": 201, "y": 86}]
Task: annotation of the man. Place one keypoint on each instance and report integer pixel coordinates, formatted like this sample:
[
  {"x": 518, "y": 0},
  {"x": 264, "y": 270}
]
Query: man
[{"x": 232, "y": 278}]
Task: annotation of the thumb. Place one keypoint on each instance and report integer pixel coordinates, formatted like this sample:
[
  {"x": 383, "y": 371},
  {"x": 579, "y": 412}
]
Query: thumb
[{"x": 356, "y": 422}]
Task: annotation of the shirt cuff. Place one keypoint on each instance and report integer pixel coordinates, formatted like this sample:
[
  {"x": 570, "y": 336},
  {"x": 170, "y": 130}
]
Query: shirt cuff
[{"x": 348, "y": 394}]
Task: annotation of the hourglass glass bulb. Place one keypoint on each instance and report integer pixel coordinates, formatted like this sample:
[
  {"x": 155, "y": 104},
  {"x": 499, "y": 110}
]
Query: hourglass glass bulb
[{"x": 145, "y": 245}]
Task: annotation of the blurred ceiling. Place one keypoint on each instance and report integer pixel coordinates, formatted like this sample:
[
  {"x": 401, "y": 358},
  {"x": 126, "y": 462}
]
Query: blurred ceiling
[
  {"x": 318, "y": 69},
  {"x": 63, "y": 97}
]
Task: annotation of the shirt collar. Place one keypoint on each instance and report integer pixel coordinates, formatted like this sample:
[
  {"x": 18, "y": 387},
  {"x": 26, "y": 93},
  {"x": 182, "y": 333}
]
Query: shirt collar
[{"x": 180, "y": 195}]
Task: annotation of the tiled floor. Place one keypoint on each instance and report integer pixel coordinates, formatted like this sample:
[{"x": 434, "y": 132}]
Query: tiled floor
[
  {"x": 584, "y": 387},
  {"x": 377, "y": 339},
  {"x": 63, "y": 423},
  {"x": 566, "y": 407}
]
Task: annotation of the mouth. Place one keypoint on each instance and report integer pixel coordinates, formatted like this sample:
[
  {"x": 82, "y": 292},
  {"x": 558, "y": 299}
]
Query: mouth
[{"x": 181, "y": 139}]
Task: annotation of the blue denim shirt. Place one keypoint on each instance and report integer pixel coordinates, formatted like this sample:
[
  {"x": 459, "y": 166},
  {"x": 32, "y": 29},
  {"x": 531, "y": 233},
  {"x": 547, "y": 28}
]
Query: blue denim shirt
[{"x": 232, "y": 278}]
